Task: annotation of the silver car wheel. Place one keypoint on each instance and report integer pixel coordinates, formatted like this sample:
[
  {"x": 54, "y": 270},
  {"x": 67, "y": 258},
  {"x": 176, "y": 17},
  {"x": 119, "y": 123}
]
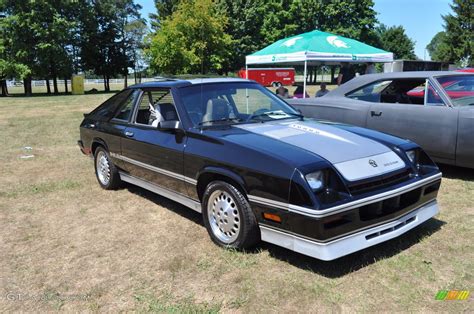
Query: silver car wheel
[
  {"x": 224, "y": 216},
  {"x": 103, "y": 168}
]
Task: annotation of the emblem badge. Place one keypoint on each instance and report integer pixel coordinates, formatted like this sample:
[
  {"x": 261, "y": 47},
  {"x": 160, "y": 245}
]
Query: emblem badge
[{"x": 373, "y": 163}]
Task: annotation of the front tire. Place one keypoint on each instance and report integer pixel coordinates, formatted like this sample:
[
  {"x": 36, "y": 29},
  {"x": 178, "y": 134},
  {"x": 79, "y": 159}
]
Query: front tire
[
  {"x": 228, "y": 217},
  {"x": 105, "y": 171}
]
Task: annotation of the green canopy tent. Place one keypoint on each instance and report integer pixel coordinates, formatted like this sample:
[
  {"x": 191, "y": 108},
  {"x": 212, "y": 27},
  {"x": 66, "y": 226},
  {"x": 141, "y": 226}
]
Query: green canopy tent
[{"x": 317, "y": 47}]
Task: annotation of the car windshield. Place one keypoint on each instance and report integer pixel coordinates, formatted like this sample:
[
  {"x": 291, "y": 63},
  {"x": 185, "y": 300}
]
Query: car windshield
[
  {"x": 459, "y": 88},
  {"x": 233, "y": 103}
]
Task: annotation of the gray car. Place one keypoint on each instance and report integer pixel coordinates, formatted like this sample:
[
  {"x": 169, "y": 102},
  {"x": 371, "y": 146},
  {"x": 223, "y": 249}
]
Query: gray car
[{"x": 433, "y": 109}]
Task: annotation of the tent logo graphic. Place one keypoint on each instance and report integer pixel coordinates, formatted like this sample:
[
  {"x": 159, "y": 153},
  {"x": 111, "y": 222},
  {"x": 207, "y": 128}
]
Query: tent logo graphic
[
  {"x": 291, "y": 42},
  {"x": 336, "y": 42}
]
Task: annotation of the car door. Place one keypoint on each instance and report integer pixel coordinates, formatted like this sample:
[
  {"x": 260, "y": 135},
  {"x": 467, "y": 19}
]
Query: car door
[
  {"x": 431, "y": 124},
  {"x": 151, "y": 154},
  {"x": 113, "y": 131}
]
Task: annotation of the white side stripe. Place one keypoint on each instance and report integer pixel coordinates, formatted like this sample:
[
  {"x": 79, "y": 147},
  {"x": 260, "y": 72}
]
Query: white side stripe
[{"x": 155, "y": 169}]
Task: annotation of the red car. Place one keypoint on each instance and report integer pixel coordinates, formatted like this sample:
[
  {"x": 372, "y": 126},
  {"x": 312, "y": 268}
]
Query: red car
[{"x": 454, "y": 88}]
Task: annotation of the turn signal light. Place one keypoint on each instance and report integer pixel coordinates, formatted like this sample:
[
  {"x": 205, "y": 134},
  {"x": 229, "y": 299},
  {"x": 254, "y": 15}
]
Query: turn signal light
[{"x": 272, "y": 217}]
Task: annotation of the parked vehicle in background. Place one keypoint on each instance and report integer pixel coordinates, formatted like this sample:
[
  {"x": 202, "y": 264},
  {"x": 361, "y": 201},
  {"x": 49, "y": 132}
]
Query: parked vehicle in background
[
  {"x": 468, "y": 70},
  {"x": 257, "y": 170},
  {"x": 433, "y": 109},
  {"x": 270, "y": 76}
]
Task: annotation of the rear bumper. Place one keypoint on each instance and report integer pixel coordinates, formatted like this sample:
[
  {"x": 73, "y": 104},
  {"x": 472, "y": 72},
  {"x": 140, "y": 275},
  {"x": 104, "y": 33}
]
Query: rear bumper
[
  {"x": 352, "y": 243},
  {"x": 84, "y": 150}
]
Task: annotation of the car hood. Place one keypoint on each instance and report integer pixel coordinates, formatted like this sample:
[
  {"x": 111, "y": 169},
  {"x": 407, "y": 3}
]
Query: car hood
[{"x": 356, "y": 157}]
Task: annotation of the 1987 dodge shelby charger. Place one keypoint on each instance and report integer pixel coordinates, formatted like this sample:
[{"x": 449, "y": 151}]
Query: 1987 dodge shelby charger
[{"x": 257, "y": 169}]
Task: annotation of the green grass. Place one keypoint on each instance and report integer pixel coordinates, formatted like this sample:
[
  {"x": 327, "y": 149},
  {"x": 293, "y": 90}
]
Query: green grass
[{"x": 130, "y": 250}]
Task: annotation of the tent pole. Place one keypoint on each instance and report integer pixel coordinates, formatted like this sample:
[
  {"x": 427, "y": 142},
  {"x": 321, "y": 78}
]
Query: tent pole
[
  {"x": 304, "y": 77},
  {"x": 246, "y": 90}
]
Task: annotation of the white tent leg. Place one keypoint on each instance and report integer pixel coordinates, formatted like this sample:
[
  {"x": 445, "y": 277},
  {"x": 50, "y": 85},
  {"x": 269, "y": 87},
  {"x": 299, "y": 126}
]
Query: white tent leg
[
  {"x": 246, "y": 90},
  {"x": 304, "y": 78}
]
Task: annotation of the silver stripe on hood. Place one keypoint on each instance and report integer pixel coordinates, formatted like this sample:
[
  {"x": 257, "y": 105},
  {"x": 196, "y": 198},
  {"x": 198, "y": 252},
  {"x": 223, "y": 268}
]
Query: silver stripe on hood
[{"x": 353, "y": 155}]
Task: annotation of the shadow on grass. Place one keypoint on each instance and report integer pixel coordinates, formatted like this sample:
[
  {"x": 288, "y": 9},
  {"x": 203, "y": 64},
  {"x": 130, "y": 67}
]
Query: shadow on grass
[
  {"x": 333, "y": 269},
  {"x": 453, "y": 172},
  {"x": 167, "y": 203}
]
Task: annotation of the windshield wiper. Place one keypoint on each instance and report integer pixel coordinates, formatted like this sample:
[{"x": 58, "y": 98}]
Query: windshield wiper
[{"x": 220, "y": 120}]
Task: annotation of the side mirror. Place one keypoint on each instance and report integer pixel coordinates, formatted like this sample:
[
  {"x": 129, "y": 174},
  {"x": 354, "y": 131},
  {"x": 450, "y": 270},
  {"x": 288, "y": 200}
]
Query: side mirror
[{"x": 169, "y": 125}]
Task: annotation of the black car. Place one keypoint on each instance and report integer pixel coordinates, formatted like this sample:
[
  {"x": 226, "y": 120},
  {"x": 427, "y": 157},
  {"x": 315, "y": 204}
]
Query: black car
[{"x": 257, "y": 170}]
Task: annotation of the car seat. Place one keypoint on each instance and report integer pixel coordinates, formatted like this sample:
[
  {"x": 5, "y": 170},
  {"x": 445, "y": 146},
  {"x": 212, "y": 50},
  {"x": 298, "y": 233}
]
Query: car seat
[
  {"x": 163, "y": 112},
  {"x": 218, "y": 109}
]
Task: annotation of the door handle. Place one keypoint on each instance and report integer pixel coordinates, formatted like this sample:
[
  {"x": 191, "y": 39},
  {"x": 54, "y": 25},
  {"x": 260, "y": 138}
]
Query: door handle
[
  {"x": 375, "y": 113},
  {"x": 129, "y": 134}
]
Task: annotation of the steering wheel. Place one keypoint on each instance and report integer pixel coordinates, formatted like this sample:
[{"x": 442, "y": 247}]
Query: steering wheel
[{"x": 258, "y": 112}]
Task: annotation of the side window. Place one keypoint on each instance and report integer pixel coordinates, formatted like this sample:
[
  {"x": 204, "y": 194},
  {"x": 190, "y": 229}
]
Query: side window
[
  {"x": 125, "y": 110},
  {"x": 370, "y": 92},
  {"x": 432, "y": 97},
  {"x": 107, "y": 109},
  {"x": 156, "y": 106}
]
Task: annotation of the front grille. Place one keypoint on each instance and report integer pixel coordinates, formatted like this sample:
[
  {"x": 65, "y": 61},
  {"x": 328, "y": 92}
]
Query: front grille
[
  {"x": 388, "y": 230},
  {"x": 390, "y": 205},
  {"x": 364, "y": 187}
]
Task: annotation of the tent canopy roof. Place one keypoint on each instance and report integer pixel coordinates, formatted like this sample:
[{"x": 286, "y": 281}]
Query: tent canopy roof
[{"x": 318, "y": 47}]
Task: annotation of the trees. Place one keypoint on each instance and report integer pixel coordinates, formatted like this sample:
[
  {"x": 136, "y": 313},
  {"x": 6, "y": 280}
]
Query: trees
[
  {"x": 459, "y": 35},
  {"x": 191, "y": 40},
  {"x": 164, "y": 8},
  {"x": 395, "y": 40},
  {"x": 103, "y": 46},
  {"x": 245, "y": 19},
  {"x": 134, "y": 35},
  {"x": 39, "y": 33},
  {"x": 9, "y": 66},
  {"x": 439, "y": 49}
]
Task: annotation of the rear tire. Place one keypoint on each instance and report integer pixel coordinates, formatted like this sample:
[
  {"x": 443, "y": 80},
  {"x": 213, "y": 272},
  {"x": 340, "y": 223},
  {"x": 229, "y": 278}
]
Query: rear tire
[
  {"x": 228, "y": 217},
  {"x": 105, "y": 171}
]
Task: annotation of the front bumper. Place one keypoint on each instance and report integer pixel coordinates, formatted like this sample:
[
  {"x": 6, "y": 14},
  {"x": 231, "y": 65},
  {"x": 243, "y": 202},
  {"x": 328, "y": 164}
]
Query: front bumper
[{"x": 346, "y": 245}]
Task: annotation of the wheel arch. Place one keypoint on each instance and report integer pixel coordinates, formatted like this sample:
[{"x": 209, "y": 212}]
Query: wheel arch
[
  {"x": 209, "y": 174},
  {"x": 96, "y": 142}
]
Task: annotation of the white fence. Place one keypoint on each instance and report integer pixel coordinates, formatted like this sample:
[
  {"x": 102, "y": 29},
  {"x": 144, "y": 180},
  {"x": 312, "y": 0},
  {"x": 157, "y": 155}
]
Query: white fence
[{"x": 35, "y": 83}]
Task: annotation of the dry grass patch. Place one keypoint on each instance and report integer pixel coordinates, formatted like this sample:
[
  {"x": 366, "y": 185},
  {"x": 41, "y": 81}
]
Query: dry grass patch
[{"x": 62, "y": 236}]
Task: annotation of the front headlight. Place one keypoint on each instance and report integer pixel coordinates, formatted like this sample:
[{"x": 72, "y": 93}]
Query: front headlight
[
  {"x": 316, "y": 180},
  {"x": 411, "y": 154}
]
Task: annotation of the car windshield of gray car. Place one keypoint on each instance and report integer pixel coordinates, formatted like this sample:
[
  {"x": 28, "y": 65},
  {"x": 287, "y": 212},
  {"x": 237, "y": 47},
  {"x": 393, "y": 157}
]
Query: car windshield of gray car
[
  {"x": 233, "y": 103},
  {"x": 460, "y": 88}
]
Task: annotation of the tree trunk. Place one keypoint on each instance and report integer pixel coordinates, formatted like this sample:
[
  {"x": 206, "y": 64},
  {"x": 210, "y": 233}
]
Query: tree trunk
[
  {"x": 55, "y": 85},
  {"x": 3, "y": 83},
  {"x": 333, "y": 70},
  {"x": 27, "y": 86},
  {"x": 48, "y": 88},
  {"x": 125, "y": 81},
  {"x": 105, "y": 82},
  {"x": 65, "y": 86}
]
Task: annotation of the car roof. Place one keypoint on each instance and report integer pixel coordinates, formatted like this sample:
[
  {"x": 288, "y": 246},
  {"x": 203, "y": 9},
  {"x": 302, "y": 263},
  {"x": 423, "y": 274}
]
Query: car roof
[
  {"x": 362, "y": 80},
  {"x": 169, "y": 82}
]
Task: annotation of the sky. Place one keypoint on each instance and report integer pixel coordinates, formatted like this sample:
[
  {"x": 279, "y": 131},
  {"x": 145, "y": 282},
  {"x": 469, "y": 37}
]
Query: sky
[{"x": 420, "y": 18}]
